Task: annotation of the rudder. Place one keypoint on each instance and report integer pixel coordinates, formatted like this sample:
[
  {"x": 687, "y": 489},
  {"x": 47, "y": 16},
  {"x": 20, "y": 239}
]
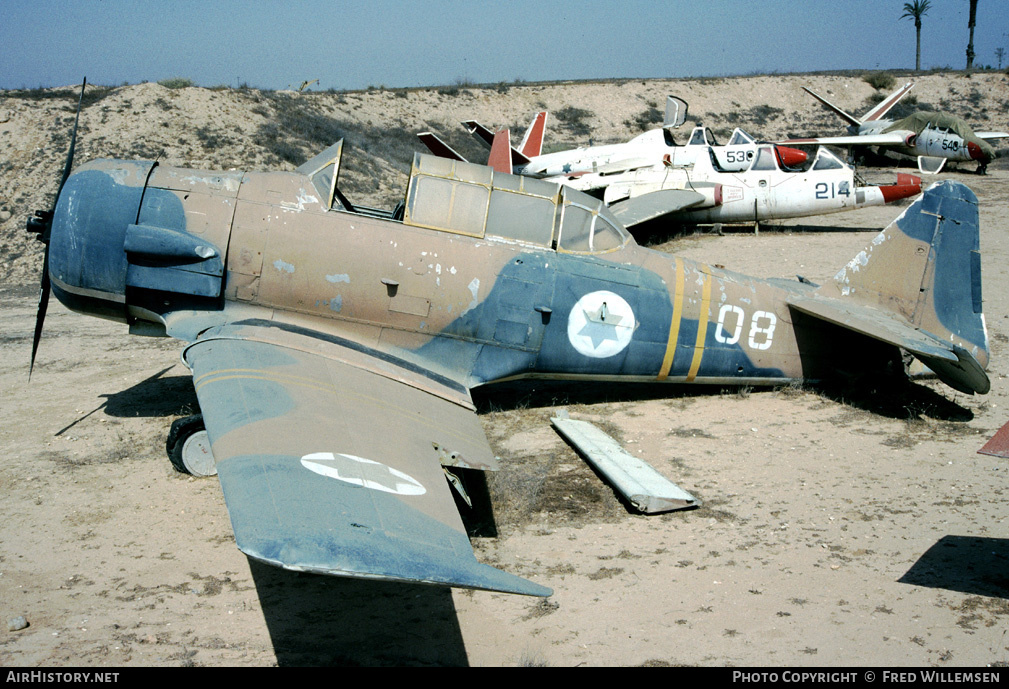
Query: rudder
[{"x": 918, "y": 286}]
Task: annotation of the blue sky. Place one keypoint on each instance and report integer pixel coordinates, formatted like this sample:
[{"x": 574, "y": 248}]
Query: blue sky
[{"x": 351, "y": 44}]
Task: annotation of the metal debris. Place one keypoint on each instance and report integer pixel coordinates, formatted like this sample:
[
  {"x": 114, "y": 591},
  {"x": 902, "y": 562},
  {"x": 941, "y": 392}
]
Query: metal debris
[{"x": 645, "y": 488}]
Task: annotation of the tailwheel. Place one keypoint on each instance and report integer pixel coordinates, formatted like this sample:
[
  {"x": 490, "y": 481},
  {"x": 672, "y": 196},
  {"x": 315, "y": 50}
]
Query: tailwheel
[{"x": 189, "y": 447}]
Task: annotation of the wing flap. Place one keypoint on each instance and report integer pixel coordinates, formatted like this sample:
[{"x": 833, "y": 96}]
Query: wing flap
[
  {"x": 639, "y": 209},
  {"x": 331, "y": 467}
]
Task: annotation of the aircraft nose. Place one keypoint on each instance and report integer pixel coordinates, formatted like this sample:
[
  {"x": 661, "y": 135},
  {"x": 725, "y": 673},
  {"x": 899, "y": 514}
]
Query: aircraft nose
[
  {"x": 791, "y": 157},
  {"x": 906, "y": 187},
  {"x": 976, "y": 152},
  {"x": 87, "y": 263}
]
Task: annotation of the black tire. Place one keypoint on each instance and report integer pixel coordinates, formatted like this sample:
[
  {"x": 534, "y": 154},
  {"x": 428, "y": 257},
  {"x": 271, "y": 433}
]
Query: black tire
[{"x": 181, "y": 430}]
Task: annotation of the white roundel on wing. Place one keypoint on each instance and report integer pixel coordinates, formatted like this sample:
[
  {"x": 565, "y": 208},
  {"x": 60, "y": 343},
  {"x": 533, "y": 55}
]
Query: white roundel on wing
[
  {"x": 600, "y": 324},
  {"x": 362, "y": 472}
]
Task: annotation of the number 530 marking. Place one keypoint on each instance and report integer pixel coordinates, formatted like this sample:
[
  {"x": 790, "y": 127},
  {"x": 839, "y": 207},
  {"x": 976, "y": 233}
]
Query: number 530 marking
[{"x": 761, "y": 327}]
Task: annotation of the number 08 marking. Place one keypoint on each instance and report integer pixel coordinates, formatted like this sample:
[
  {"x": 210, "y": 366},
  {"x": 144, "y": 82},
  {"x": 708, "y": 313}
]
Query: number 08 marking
[{"x": 761, "y": 327}]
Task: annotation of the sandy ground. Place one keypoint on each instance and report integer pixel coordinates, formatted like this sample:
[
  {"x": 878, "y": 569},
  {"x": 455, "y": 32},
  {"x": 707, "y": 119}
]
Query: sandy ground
[
  {"x": 839, "y": 526},
  {"x": 836, "y": 528}
]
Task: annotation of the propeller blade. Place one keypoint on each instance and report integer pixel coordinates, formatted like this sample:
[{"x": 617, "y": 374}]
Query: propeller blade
[
  {"x": 43, "y": 307},
  {"x": 73, "y": 144},
  {"x": 42, "y": 225}
]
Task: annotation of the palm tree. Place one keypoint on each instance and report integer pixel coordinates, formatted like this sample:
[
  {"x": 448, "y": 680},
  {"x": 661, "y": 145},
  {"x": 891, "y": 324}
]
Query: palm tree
[
  {"x": 916, "y": 10},
  {"x": 970, "y": 25}
]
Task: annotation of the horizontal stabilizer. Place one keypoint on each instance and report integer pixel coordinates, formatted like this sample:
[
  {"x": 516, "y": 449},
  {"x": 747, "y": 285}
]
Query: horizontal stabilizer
[
  {"x": 854, "y": 121},
  {"x": 885, "y": 105},
  {"x": 952, "y": 364},
  {"x": 639, "y": 209},
  {"x": 439, "y": 147},
  {"x": 486, "y": 136}
]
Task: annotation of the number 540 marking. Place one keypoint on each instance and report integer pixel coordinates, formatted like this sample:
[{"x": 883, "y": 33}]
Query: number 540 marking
[{"x": 761, "y": 327}]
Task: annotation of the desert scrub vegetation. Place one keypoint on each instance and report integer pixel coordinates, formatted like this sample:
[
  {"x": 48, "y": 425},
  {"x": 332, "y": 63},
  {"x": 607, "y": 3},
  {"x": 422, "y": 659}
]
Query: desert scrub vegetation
[
  {"x": 297, "y": 130},
  {"x": 757, "y": 115},
  {"x": 645, "y": 119},
  {"x": 879, "y": 80},
  {"x": 572, "y": 121},
  {"x": 176, "y": 83},
  {"x": 92, "y": 94}
]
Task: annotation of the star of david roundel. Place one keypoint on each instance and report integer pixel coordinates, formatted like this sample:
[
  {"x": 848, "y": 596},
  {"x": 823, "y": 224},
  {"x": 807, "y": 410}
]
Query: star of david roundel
[
  {"x": 601, "y": 324},
  {"x": 362, "y": 472}
]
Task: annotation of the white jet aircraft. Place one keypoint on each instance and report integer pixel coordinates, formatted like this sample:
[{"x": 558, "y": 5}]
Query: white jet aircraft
[
  {"x": 645, "y": 150},
  {"x": 766, "y": 190},
  {"x": 934, "y": 137}
]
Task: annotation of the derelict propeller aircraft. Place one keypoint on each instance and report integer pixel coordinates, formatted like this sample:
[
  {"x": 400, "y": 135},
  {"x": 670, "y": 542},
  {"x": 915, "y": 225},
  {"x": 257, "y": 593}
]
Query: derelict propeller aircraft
[
  {"x": 934, "y": 137},
  {"x": 333, "y": 348}
]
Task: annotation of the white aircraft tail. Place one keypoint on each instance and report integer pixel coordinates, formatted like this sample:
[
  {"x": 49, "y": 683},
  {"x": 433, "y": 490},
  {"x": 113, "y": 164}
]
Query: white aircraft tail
[
  {"x": 887, "y": 103},
  {"x": 853, "y": 121},
  {"x": 878, "y": 112}
]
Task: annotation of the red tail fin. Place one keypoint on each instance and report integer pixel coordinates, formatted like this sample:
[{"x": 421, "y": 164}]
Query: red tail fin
[
  {"x": 532, "y": 142},
  {"x": 500, "y": 157}
]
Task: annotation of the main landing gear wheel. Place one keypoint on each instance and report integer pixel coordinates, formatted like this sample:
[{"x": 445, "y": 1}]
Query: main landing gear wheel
[{"x": 189, "y": 447}]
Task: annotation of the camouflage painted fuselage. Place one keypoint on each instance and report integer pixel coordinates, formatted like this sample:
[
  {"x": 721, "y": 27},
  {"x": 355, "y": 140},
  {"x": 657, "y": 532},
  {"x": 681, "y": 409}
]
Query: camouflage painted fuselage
[{"x": 474, "y": 309}]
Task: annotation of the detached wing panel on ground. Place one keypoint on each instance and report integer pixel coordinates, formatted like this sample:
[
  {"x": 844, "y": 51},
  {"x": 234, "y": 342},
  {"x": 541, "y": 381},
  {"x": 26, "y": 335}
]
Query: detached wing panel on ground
[{"x": 330, "y": 458}]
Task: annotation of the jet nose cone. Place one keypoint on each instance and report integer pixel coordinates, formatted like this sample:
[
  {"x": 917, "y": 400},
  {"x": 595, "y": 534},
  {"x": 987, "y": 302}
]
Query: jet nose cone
[
  {"x": 791, "y": 157},
  {"x": 906, "y": 187},
  {"x": 976, "y": 152}
]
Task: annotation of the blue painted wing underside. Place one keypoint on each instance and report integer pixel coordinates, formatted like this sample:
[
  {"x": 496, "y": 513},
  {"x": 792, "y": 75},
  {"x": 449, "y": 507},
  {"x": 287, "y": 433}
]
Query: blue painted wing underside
[{"x": 332, "y": 467}]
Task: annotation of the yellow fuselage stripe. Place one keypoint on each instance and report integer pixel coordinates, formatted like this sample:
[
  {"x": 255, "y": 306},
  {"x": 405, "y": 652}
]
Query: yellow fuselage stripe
[
  {"x": 674, "y": 325},
  {"x": 702, "y": 324}
]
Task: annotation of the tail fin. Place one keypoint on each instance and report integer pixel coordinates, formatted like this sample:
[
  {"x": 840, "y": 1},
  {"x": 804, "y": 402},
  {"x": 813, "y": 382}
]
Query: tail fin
[
  {"x": 487, "y": 136},
  {"x": 532, "y": 142},
  {"x": 853, "y": 121},
  {"x": 884, "y": 105},
  {"x": 439, "y": 147},
  {"x": 500, "y": 152},
  {"x": 479, "y": 131},
  {"x": 918, "y": 286}
]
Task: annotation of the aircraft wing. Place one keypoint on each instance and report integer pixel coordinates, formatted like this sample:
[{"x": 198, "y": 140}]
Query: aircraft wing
[
  {"x": 639, "y": 209},
  {"x": 991, "y": 135},
  {"x": 624, "y": 165},
  {"x": 895, "y": 138},
  {"x": 330, "y": 456}
]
